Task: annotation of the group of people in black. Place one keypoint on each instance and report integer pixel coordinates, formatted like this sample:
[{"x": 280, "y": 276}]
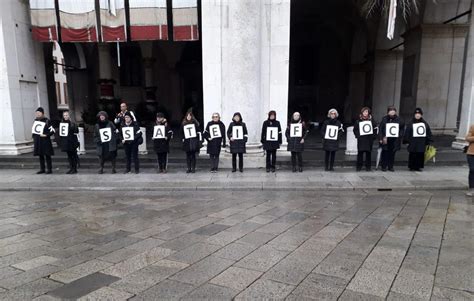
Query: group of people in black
[{"x": 391, "y": 132}]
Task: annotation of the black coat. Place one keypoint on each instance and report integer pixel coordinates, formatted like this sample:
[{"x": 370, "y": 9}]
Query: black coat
[
  {"x": 191, "y": 144},
  {"x": 328, "y": 144},
  {"x": 365, "y": 142},
  {"x": 70, "y": 142},
  {"x": 294, "y": 143},
  {"x": 214, "y": 145},
  {"x": 43, "y": 145},
  {"x": 163, "y": 145},
  {"x": 271, "y": 145},
  {"x": 136, "y": 129},
  {"x": 104, "y": 148},
  {"x": 392, "y": 143},
  {"x": 237, "y": 146},
  {"x": 417, "y": 144}
]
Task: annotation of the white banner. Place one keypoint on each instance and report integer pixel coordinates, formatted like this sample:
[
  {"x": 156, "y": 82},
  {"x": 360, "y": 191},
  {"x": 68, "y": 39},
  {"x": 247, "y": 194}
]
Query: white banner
[
  {"x": 419, "y": 130},
  {"x": 159, "y": 132},
  {"x": 365, "y": 128},
  {"x": 392, "y": 130},
  {"x": 272, "y": 133},
  {"x": 189, "y": 131},
  {"x": 38, "y": 127},
  {"x": 105, "y": 134},
  {"x": 63, "y": 129},
  {"x": 332, "y": 132}
]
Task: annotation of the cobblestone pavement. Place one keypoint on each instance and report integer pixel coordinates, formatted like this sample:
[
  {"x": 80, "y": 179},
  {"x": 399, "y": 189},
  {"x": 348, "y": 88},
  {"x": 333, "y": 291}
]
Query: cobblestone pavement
[{"x": 219, "y": 245}]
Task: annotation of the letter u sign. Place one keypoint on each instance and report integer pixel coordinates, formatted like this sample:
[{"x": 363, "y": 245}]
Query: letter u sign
[
  {"x": 419, "y": 130},
  {"x": 392, "y": 130},
  {"x": 332, "y": 132}
]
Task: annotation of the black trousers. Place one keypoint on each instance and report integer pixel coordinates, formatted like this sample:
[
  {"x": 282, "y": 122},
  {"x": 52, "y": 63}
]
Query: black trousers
[
  {"x": 131, "y": 154},
  {"x": 191, "y": 160},
  {"x": 48, "y": 162},
  {"x": 470, "y": 161},
  {"x": 102, "y": 160},
  {"x": 214, "y": 161},
  {"x": 387, "y": 158},
  {"x": 271, "y": 158},
  {"x": 234, "y": 161},
  {"x": 360, "y": 159},
  {"x": 72, "y": 159},
  {"x": 162, "y": 160},
  {"x": 416, "y": 160},
  {"x": 297, "y": 157},
  {"x": 329, "y": 159}
]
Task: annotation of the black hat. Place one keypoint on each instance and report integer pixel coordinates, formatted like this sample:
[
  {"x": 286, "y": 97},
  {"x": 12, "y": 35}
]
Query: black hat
[
  {"x": 160, "y": 115},
  {"x": 418, "y": 111},
  {"x": 128, "y": 114},
  {"x": 40, "y": 109}
]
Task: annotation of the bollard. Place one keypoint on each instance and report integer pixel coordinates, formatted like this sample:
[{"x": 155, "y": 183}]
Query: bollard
[
  {"x": 81, "y": 150},
  {"x": 351, "y": 142},
  {"x": 142, "y": 147}
]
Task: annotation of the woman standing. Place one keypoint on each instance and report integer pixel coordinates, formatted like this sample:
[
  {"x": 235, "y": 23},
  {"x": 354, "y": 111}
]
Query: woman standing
[
  {"x": 296, "y": 133},
  {"x": 364, "y": 131},
  {"x": 161, "y": 142},
  {"x": 68, "y": 131},
  {"x": 470, "y": 159},
  {"x": 105, "y": 137},
  {"x": 391, "y": 130},
  {"x": 131, "y": 139},
  {"x": 418, "y": 136},
  {"x": 43, "y": 148},
  {"x": 238, "y": 136},
  {"x": 330, "y": 131},
  {"x": 191, "y": 140},
  {"x": 215, "y": 136},
  {"x": 271, "y": 139}
]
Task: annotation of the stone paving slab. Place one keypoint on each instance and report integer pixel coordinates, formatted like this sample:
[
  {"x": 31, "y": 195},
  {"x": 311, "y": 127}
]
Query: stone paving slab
[{"x": 223, "y": 245}]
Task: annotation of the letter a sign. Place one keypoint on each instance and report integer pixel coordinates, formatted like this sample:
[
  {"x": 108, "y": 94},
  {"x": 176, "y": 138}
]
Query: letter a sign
[
  {"x": 38, "y": 127},
  {"x": 392, "y": 129},
  {"x": 296, "y": 130},
  {"x": 189, "y": 131},
  {"x": 365, "y": 128},
  {"x": 105, "y": 134},
  {"x": 237, "y": 132},
  {"x": 159, "y": 132},
  {"x": 419, "y": 130},
  {"x": 331, "y": 132},
  {"x": 215, "y": 131},
  {"x": 272, "y": 133},
  {"x": 63, "y": 129}
]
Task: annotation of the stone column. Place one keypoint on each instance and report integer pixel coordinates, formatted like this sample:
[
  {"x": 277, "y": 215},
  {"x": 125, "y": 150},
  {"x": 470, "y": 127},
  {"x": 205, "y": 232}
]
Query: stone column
[
  {"x": 22, "y": 79},
  {"x": 467, "y": 107},
  {"x": 245, "y": 46}
]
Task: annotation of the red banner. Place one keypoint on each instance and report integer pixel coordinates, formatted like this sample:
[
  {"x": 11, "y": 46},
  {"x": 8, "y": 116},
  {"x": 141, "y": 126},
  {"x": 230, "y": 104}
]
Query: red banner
[
  {"x": 185, "y": 20},
  {"x": 148, "y": 20},
  {"x": 43, "y": 20},
  {"x": 78, "y": 21},
  {"x": 112, "y": 20}
]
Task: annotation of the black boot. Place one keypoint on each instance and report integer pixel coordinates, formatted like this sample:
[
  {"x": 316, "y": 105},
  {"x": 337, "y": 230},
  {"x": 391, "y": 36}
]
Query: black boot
[{"x": 113, "y": 166}]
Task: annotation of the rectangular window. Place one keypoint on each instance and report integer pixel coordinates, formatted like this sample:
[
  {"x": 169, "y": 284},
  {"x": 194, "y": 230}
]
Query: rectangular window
[
  {"x": 58, "y": 93},
  {"x": 65, "y": 93},
  {"x": 63, "y": 67},
  {"x": 55, "y": 63}
]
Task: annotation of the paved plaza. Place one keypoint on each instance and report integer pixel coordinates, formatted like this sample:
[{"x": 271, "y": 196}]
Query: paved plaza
[{"x": 223, "y": 244}]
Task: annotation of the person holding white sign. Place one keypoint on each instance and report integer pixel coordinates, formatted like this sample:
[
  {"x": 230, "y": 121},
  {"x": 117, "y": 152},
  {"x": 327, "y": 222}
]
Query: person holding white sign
[
  {"x": 271, "y": 139},
  {"x": 238, "y": 136},
  {"x": 191, "y": 140},
  {"x": 391, "y": 130},
  {"x": 69, "y": 142},
  {"x": 417, "y": 136},
  {"x": 215, "y": 136},
  {"x": 42, "y": 131},
  {"x": 162, "y": 134},
  {"x": 331, "y": 131},
  {"x": 131, "y": 138},
  {"x": 296, "y": 133},
  {"x": 105, "y": 138},
  {"x": 364, "y": 131}
]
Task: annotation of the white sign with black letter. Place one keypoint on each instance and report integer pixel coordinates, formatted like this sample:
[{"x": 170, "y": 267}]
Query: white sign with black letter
[
  {"x": 215, "y": 131},
  {"x": 38, "y": 127},
  {"x": 238, "y": 132},
  {"x": 128, "y": 133},
  {"x": 296, "y": 130},
  {"x": 332, "y": 132},
  {"x": 419, "y": 130},
  {"x": 392, "y": 130},
  {"x": 272, "y": 133},
  {"x": 189, "y": 131},
  {"x": 105, "y": 134},
  {"x": 365, "y": 128},
  {"x": 159, "y": 132},
  {"x": 63, "y": 129}
]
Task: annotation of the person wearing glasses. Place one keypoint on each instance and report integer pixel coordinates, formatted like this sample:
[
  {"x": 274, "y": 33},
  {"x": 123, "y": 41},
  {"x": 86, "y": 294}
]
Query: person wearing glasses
[{"x": 215, "y": 136}]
